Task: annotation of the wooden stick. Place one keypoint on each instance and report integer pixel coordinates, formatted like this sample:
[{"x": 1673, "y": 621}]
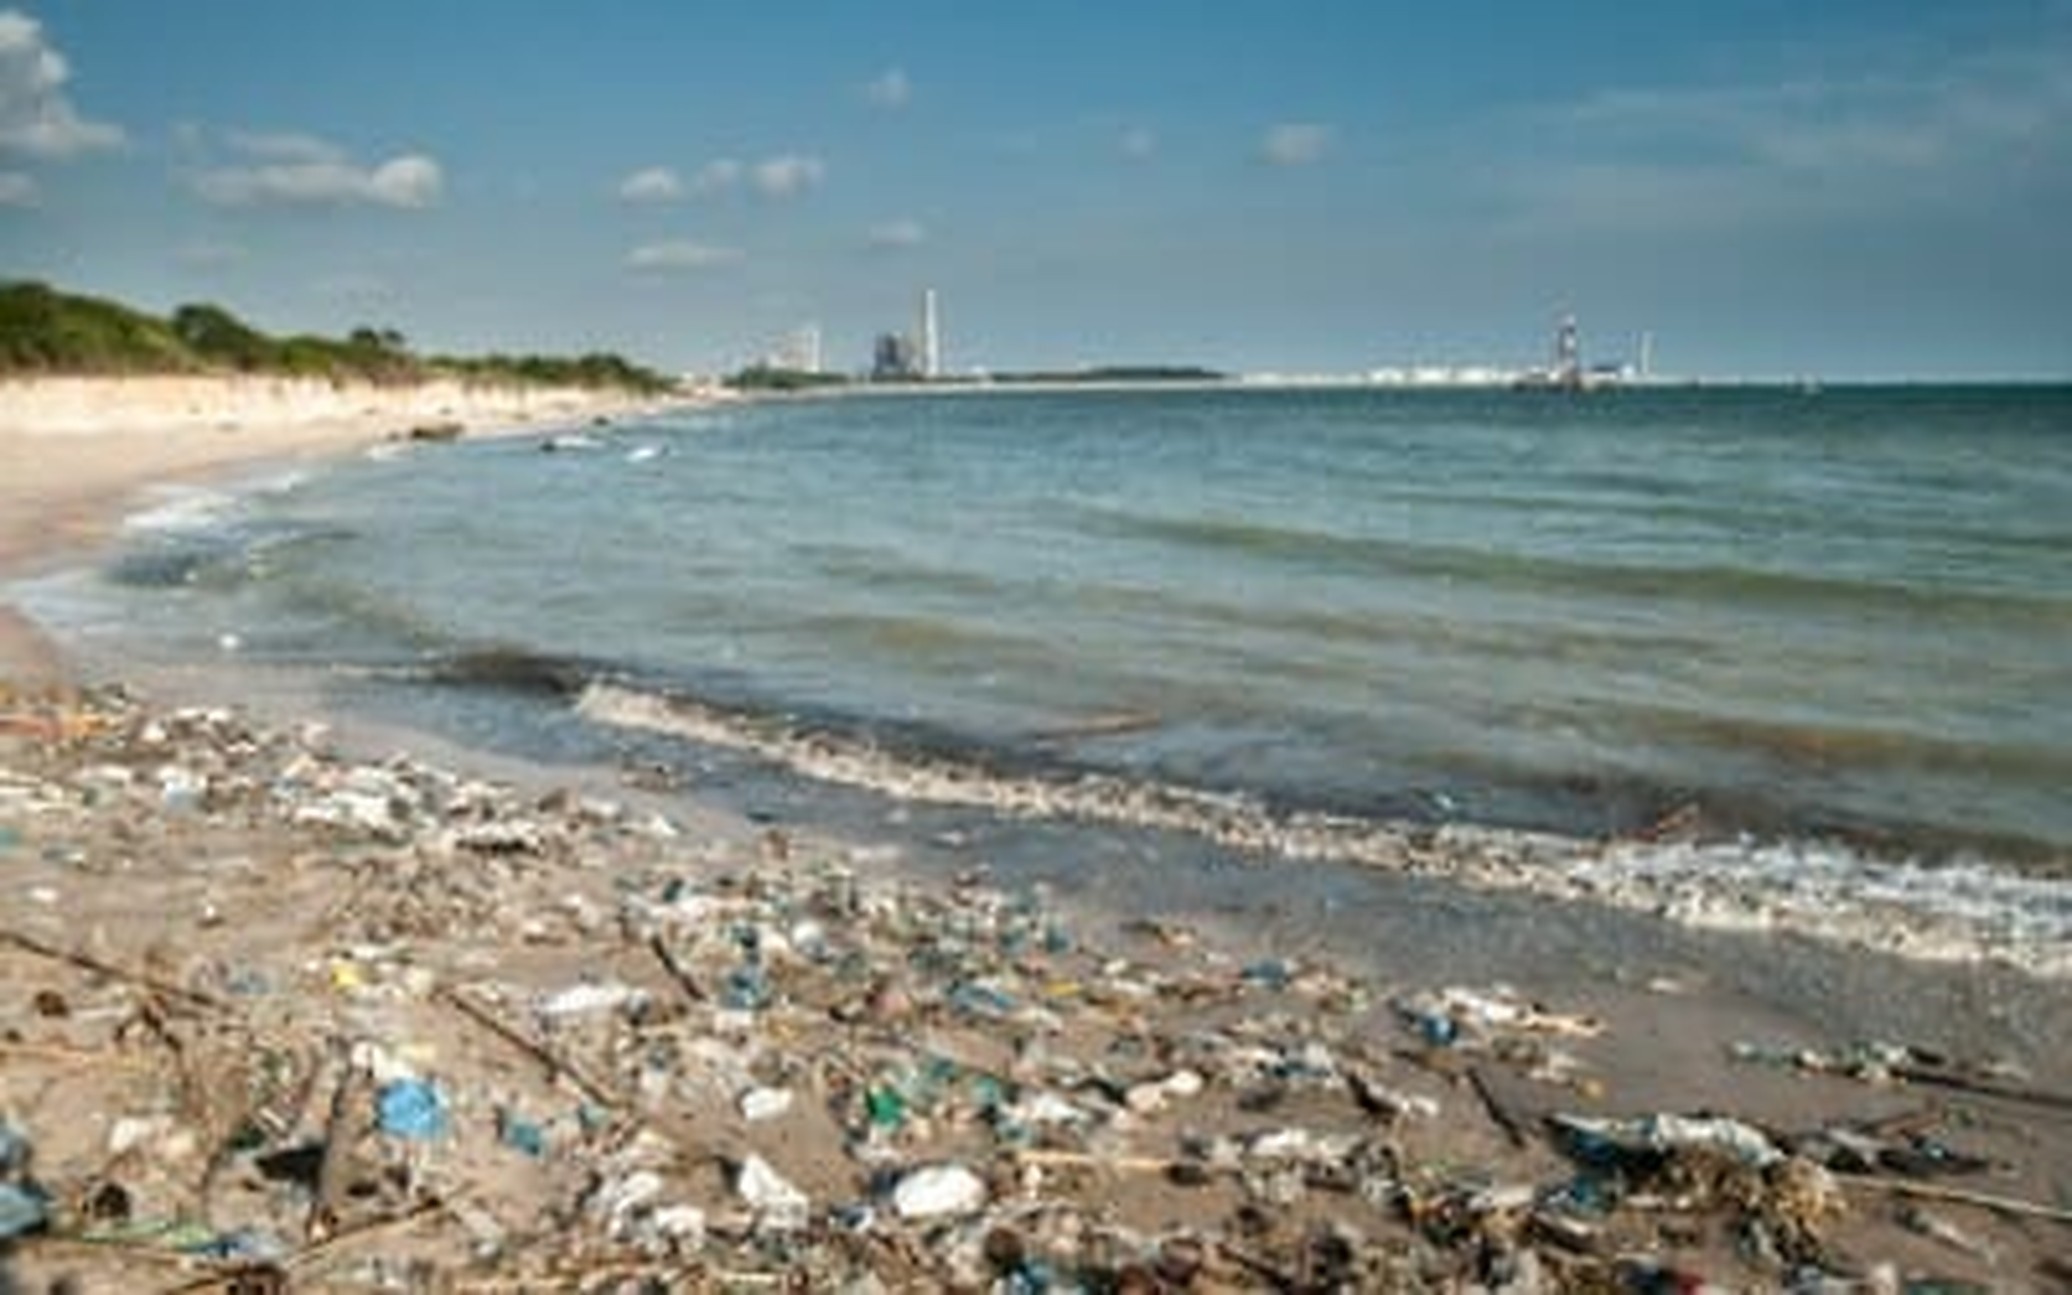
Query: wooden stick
[
  {"x": 554, "y": 1063},
  {"x": 1506, "y": 1119},
  {"x": 233, "y": 1278},
  {"x": 342, "y": 1134},
  {"x": 88, "y": 962},
  {"x": 1085, "y": 1160},
  {"x": 1957, "y": 1196},
  {"x": 1982, "y": 1087},
  {"x": 1273, "y": 1274},
  {"x": 677, "y": 971}
]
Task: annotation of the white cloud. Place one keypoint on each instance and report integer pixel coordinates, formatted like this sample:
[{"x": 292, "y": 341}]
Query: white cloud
[
  {"x": 1295, "y": 143},
  {"x": 18, "y": 189},
  {"x": 1138, "y": 142},
  {"x": 654, "y": 184},
  {"x": 720, "y": 175},
  {"x": 37, "y": 119},
  {"x": 283, "y": 146},
  {"x": 890, "y": 89},
  {"x": 895, "y": 235},
  {"x": 302, "y": 170},
  {"x": 787, "y": 175},
  {"x": 1866, "y": 145},
  {"x": 680, "y": 255}
]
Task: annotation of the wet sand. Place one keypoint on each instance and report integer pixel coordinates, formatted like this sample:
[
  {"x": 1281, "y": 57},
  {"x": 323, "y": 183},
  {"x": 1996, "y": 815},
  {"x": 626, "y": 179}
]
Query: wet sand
[{"x": 437, "y": 924}]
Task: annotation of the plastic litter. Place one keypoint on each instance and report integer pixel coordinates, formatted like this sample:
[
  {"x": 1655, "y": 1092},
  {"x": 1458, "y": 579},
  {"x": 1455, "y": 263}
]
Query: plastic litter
[
  {"x": 1611, "y": 1140},
  {"x": 520, "y": 1134},
  {"x": 759, "y": 1104},
  {"x": 411, "y": 1108},
  {"x": 22, "y": 1210},
  {"x": 962, "y": 1095},
  {"x": 936, "y": 1191},
  {"x": 584, "y": 1000},
  {"x": 779, "y": 1205}
]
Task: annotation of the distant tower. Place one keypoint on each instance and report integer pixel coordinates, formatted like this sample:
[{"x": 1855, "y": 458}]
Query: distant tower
[
  {"x": 931, "y": 337},
  {"x": 1568, "y": 353},
  {"x": 1647, "y": 355}
]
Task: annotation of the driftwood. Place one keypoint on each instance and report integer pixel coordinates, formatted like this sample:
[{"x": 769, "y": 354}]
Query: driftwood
[
  {"x": 87, "y": 962},
  {"x": 1049, "y": 1159},
  {"x": 554, "y": 1063},
  {"x": 342, "y": 1132},
  {"x": 1957, "y": 1196},
  {"x": 1499, "y": 1110},
  {"x": 677, "y": 971},
  {"x": 1937, "y": 1078}
]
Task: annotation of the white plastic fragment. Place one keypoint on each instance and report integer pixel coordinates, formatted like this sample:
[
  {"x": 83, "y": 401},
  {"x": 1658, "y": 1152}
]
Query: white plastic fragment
[
  {"x": 618, "y": 1199},
  {"x": 584, "y": 999},
  {"x": 778, "y": 1204},
  {"x": 938, "y": 1191},
  {"x": 758, "y": 1104}
]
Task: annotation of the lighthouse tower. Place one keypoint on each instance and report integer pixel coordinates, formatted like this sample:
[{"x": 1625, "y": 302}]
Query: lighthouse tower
[{"x": 1568, "y": 354}]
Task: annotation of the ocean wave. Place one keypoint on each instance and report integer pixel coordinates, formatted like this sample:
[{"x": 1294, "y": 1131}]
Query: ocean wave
[{"x": 1968, "y": 911}]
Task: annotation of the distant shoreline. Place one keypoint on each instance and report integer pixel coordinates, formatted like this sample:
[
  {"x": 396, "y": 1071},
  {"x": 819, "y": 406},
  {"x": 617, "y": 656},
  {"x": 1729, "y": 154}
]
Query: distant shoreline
[{"x": 1353, "y": 382}]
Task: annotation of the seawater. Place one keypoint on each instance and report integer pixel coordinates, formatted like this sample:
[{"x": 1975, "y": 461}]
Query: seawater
[{"x": 1795, "y": 626}]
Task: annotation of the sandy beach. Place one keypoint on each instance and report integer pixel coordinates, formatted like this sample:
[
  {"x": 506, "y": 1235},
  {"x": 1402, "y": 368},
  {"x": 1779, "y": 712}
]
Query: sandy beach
[{"x": 281, "y": 1004}]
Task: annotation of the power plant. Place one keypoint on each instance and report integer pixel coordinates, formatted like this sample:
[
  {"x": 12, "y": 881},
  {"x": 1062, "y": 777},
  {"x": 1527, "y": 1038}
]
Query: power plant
[{"x": 913, "y": 356}]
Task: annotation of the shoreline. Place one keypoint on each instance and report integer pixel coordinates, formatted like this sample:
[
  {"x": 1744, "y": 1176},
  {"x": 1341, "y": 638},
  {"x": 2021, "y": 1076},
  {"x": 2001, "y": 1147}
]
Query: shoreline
[
  {"x": 76, "y": 451},
  {"x": 1656, "y": 1044}
]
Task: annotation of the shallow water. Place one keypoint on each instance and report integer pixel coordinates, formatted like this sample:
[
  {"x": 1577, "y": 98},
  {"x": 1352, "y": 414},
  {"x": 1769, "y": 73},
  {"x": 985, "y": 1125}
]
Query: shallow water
[{"x": 1801, "y": 621}]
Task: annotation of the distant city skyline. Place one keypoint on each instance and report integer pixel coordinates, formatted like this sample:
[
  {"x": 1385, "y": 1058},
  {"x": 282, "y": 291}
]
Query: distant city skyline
[{"x": 1859, "y": 188}]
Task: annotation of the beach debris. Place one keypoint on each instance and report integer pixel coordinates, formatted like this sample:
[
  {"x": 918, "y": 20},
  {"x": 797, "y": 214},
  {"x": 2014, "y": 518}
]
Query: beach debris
[
  {"x": 1609, "y": 1141},
  {"x": 435, "y": 1030},
  {"x": 411, "y": 1108},
  {"x": 22, "y": 1209},
  {"x": 935, "y": 1191},
  {"x": 778, "y": 1204}
]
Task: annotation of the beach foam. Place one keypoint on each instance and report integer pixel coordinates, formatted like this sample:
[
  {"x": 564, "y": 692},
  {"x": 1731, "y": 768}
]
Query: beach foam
[{"x": 1957, "y": 913}]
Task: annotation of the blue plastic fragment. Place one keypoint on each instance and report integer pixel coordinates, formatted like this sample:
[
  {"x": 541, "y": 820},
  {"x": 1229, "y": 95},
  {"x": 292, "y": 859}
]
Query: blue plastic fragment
[
  {"x": 245, "y": 1244},
  {"x": 1272, "y": 973},
  {"x": 978, "y": 999},
  {"x": 747, "y": 988},
  {"x": 1439, "y": 1030},
  {"x": 411, "y": 1108},
  {"x": 521, "y": 1134},
  {"x": 22, "y": 1209}
]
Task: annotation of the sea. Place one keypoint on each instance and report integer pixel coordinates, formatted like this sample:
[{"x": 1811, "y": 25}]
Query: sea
[{"x": 1733, "y": 658}]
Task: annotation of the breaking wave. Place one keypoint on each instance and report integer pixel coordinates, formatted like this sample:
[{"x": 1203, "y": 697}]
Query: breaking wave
[{"x": 1964, "y": 911}]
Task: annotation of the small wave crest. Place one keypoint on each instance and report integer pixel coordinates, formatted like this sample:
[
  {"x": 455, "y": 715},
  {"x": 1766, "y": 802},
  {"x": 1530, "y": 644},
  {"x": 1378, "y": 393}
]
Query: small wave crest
[{"x": 1969, "y": 912}]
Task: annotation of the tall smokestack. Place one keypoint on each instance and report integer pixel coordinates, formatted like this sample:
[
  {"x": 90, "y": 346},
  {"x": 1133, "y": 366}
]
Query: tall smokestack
[{"x": 931, "y": 337}]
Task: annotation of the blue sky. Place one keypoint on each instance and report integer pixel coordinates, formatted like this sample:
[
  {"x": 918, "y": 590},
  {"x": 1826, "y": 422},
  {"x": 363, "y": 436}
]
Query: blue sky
[{"x": 1773, "y": 187}]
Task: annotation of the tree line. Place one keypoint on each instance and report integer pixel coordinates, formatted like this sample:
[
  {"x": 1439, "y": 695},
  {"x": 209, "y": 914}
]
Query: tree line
[{"x": 47, "y": 331}]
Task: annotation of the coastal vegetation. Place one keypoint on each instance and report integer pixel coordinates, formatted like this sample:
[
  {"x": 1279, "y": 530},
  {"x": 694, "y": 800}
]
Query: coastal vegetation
[
  {"x": 768, "y": 377},
  {"x": 47, "y": 331}
]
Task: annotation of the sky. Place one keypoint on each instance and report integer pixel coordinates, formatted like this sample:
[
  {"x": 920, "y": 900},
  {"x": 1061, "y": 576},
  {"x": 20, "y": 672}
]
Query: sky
[{"x": 1847, "y": 188}]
